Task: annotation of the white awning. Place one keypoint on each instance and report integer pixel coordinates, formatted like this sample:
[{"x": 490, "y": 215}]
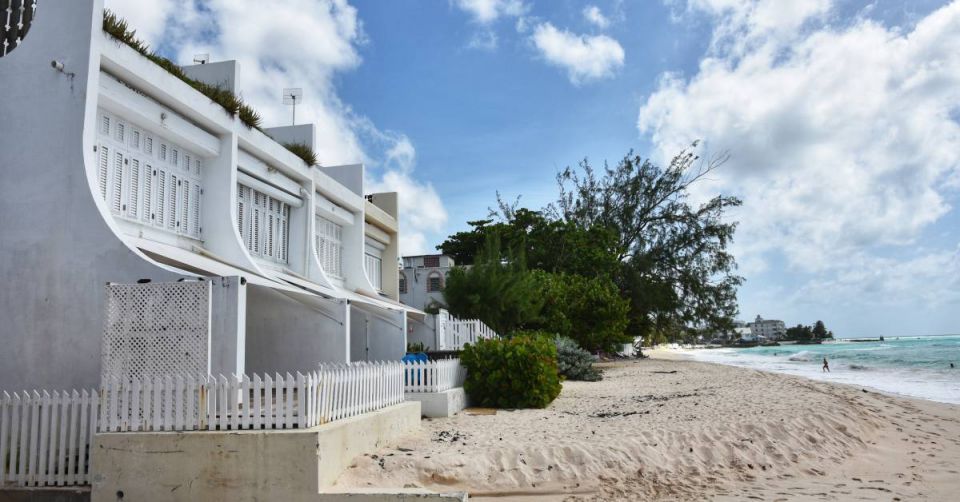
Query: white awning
[{"x": 200, "y": 264}]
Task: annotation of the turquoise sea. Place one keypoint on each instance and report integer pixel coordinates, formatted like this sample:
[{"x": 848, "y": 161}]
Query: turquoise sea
[{"x": 912, "y": 366}]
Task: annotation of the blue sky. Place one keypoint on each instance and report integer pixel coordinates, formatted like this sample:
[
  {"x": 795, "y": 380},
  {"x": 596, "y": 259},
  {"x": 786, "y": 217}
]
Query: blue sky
[{"x": 840, "y": 116}]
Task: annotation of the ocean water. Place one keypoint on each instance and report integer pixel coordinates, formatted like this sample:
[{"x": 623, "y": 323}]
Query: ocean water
[{"x": 910, "y": 366}]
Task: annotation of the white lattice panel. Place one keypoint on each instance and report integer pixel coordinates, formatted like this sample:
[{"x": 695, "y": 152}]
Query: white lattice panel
[{"x": 156, "y": 329}]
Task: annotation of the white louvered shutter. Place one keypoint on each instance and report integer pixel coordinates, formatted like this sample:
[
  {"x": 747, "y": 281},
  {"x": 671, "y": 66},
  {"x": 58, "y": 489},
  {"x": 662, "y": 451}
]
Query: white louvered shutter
[
  {"x": 284, "y": 232},
  {"x": 195, "y": 198},
  {"x": 103, "y": 167},
  {"x": 242, "y": 216},
  {"x": 133, "y": 188},
  {"x": 270, "y": 229},
  {"x": 255, "y": 228},
  {"x": 147, "y": 203},
  {"x": 185, "y": 203},
  {"x": 173, "y": 216},
  {"x": 148, "y": 145},
  {"x": 105, "y": 125},
  {"x": 160, "y": 202},
  {"x": 116, "y": 182},
  {"x": 120, "y": 131}
]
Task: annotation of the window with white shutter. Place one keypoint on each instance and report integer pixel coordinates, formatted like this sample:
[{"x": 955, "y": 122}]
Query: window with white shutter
[
  {"x": 329, "y": 246},
  {"x": 264, "y": 224},
  {"x": 374, "y": 267},
  {"x": 140, "y": 187}
]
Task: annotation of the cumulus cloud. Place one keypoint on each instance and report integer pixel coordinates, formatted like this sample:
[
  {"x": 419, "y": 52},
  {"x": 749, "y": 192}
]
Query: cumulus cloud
[
  {"x": 305, "y": 44},
  {"x": 593, "y": 14},
  {"x": 584, "y": 57},
  {"x": 488, "y": 11},
  {"x": 843, "y": 140}
]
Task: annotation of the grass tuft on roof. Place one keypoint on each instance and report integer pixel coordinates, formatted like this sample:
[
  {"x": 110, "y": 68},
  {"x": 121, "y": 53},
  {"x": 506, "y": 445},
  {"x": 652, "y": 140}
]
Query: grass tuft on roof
[
  {"x": 303, "y": 151},
  {"x": 118, "y": 28}
]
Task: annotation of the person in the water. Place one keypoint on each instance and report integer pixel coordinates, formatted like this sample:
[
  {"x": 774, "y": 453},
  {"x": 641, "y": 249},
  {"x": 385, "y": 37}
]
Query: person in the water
[{"x": 826, "y": 366}]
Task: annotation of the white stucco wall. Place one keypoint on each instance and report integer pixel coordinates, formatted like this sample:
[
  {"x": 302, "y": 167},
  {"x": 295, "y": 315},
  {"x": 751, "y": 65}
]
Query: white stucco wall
[
  {"x": 284, "y": 335},
  {"x": 57, "y": 249}
]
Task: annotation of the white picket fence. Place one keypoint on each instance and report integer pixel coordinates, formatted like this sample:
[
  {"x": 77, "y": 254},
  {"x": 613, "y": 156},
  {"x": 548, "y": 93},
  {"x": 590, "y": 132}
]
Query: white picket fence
[
  {"x": 434, "y": 376},
  {"x": 45, "y": 440},
  {"x": 454, "y": 333}
]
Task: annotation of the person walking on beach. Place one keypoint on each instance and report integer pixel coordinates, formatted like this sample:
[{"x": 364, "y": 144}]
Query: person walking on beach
[{"x": 826, "y": 366}]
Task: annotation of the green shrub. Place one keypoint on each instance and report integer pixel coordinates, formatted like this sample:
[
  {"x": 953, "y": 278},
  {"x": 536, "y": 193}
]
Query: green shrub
[
  {"x": 519, "y": 372},
  {"x": 573, "y": 362}
]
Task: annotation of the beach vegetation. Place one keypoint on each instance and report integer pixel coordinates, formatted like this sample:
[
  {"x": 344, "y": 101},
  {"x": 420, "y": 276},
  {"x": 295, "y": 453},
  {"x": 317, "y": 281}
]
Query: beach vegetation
[
  {"x": 805, "y": 334},
  {"x": 501, "y": 291},
  {"x": 303, "y": 151},
  {"x": 498, "y": 289},
  {"x": 117, "y": 27},
  {"x": 514, "y": 372},
  {"x": 588, "y": 310},
  {"x": 575, "y": 363},
  {"x": 636, "y": 225}
]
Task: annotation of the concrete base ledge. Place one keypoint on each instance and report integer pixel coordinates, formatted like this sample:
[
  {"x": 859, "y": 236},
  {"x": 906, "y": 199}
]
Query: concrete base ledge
[
  {"x": 44, "y": 494},
  {"x": 289, "y": 465},
  {"x": 439, "y": 404}
]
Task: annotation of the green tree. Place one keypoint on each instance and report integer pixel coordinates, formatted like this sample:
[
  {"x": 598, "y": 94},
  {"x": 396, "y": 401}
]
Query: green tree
[
  {"x": 588, "y": 310},
  {"x": 548, "y": 244},
  {"x": 819, "y": 330},
  {"x": 498, "y": 290},
  {"x": 678, "y": 269},
  {"x": 799, "y": 333}
]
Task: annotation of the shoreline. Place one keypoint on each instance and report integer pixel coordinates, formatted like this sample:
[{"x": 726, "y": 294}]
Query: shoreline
[
  {"x": 870, "y": 379},
  {"x": 666, "y": 429},
  {"x": 678, "y": 355}
]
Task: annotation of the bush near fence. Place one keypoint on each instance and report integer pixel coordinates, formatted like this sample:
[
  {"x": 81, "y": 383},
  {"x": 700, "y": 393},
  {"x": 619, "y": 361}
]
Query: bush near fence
[{"x": 519, "y": 372}]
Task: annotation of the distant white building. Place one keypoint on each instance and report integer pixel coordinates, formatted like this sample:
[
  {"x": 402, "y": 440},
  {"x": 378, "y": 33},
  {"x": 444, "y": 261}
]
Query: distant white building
[
  {"x": 745, "y": 334},
  {"x": 423, "y": 278},
  {"x": 771, "y": 329}
]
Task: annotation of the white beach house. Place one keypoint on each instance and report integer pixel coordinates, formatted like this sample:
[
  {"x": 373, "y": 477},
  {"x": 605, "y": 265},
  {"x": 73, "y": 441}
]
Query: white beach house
[
  {"x": 114, "y": 170},
  {"x": 422, "y": 280}
]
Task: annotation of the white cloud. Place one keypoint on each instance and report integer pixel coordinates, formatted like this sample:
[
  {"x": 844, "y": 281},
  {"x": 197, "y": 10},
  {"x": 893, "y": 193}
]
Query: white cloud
[
  {"x": 488, "y": 11},
  {"x": 305, "y": 44},
  {"x": 584, "y": 57},
  {"x": 593, "y": 14},
  {"x": 842, "y": 140}
]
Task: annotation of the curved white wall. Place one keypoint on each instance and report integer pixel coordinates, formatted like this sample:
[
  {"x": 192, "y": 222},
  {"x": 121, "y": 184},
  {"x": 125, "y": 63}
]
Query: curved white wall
[{"x": 57, "y": 249}]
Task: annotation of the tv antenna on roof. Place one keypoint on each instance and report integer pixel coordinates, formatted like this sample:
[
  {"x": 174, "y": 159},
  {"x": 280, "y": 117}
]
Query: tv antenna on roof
[
  {"x": 292, "y": 96},
  {"x": 201, "y": 58}
]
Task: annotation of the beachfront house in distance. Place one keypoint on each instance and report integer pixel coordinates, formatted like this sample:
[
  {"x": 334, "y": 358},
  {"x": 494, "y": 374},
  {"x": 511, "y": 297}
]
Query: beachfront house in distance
[
  {"x": 423, "y": 278},
  {"x": 767, "y": 329},
  {"x": 117, "y": 170}
]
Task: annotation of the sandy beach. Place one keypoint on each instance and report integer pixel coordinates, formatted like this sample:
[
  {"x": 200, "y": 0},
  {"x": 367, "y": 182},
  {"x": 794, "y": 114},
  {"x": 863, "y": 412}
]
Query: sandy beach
[{"x": 662, "y": 429}]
